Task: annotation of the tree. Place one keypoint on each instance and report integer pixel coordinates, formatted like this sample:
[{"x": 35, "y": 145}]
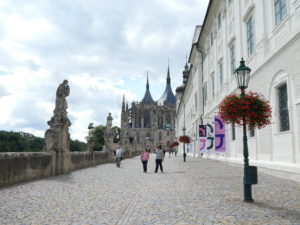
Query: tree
[
  {"x": 78, "y": 146},
  {"x": 117, "y": 133},
  {"x": 20, "y": 142},
  {"x": 97, "y": 134},
  {"x": 25, "y": 142}
]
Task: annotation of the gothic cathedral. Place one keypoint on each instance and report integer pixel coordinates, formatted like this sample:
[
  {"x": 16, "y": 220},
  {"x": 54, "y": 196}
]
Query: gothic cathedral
[{"x": 149, "y": 123}]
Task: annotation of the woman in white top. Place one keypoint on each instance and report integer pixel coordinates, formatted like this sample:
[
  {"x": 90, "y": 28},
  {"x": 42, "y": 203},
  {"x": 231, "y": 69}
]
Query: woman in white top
[{"x": 119, "y": 153}]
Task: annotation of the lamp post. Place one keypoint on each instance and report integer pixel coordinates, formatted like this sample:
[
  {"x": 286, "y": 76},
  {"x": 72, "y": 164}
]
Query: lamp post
[
  {"x": 90, "y": 127},
  {"x": 184, "y": 154},
  {"x": 242, "y": 74}
]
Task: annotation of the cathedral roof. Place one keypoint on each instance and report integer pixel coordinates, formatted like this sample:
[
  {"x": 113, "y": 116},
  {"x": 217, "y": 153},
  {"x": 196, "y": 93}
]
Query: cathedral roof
[
  {"x": 147, "y": 97},
  {"x": 168, "y": 97}
]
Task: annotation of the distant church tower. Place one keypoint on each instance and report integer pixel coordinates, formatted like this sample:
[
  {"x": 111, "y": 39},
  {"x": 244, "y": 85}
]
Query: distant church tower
[{"x": 148, "y": 123}]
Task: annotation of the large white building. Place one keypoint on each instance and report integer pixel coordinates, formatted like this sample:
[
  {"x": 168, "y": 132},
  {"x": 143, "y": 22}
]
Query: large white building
[{"x": 267, "y": 35}]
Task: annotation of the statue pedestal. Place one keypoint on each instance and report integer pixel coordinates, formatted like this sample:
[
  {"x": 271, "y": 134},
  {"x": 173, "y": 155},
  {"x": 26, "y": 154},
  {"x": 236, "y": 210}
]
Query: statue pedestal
[{"x": 57, "y": 138}]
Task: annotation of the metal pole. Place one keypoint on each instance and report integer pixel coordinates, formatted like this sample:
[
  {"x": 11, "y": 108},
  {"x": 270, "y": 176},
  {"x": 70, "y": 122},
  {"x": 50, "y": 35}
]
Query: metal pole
[
  {"x": 247, "y": 187},
  {"x": 184, "y": 154}
]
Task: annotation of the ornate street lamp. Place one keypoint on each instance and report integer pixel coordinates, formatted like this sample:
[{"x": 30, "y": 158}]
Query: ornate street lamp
[
  {"x": 184, "y": 154},
  {"x": 242, "y": 74},
  {"x": 90, "y": 127}
]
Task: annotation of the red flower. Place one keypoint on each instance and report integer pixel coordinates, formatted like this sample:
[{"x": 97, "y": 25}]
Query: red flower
[
  {"x": 252, "y": 109},
  {"x": 184, "y": 139},
  {"x": 174, "y": 144}
]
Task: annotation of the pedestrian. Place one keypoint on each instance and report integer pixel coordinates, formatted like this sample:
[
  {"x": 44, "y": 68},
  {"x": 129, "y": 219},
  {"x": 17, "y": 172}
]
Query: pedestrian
[
  {"x": 175, "y": 151},
  {"x": 170, "y": 151},
  {"x": 159, "y": 158},
  {"x": 144, "y": 159},
  {"x": 119, "y": 156}
]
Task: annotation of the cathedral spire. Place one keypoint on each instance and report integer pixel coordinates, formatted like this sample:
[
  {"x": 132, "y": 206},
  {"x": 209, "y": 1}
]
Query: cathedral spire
[
  {"x": 168, "y": 75},
  {"x": 147, "y": 85},
  {"x": 147, "y": 97},
  {"x": 123, "y": 104},
  {"x": 168, "y": 97}
]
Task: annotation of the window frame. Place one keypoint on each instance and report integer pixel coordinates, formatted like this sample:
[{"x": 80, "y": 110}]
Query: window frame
[
  {"x": 281, "y": 109},
  {"x": 212, "y": 78},
  {"x": 205, "y": 93},
  {"x": 252, "y": 132},
  {"x": 233, "y": 132},
  {"x": 221, "y": 72},
  {"x": 282, "y": 14},
  {"x": 250, "y": 35},
  {"x": 232, "y": 58},
  {"x": 219, "y": 19}
]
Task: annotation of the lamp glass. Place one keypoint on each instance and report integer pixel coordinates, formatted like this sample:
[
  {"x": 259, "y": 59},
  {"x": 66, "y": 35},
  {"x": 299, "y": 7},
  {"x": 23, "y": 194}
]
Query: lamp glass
[{"x": 242, "y": 75}]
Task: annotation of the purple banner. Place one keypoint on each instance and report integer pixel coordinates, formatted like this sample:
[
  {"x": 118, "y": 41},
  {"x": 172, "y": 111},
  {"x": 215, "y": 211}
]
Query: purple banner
[
  {"x": 219, "y": 135},
  {"x": 202, "y": 130}
]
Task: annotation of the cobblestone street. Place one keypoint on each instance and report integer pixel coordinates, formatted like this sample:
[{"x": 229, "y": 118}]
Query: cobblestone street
[{"x": 199, "y": 191}]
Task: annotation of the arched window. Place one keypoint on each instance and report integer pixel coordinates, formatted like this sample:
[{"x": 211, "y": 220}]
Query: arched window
[
  {"x": 160, "y": 122},
  {"x": 147, "y": 119},
  {"x": 160, "y": 136},
  {"x": 282, "y": 96}
]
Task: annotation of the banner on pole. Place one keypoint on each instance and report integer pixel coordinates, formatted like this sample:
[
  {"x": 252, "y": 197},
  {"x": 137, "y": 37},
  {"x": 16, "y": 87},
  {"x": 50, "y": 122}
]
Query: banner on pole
[
  {"x": 202, "y": 139},
  {"x": 212, "y": 136},
  {"x": 219, "y": 135}
]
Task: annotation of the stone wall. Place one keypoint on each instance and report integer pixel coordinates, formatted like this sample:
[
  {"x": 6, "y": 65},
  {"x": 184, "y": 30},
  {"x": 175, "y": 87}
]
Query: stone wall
[
  {"x": 17, "y": 167},
  {"x": 24, "y": 166}
]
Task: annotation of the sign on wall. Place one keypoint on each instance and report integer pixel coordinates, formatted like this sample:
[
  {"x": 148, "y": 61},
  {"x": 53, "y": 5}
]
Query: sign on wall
[
  {"x": 219, "y": 135},
  {"x": 202, "y": 138},
  {"x": 212, "y": 136}
]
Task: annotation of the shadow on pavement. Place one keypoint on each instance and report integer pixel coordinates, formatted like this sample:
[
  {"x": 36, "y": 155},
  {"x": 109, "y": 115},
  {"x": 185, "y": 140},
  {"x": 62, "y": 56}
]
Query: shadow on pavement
[{"x": 285, "y": 212}]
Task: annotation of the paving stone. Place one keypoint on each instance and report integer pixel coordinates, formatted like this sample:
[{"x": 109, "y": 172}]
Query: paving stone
[{"x": 198, "y": 191}]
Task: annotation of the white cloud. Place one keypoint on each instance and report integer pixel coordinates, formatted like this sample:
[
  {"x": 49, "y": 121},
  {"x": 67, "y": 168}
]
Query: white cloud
[{"x": 103, "y": 48}]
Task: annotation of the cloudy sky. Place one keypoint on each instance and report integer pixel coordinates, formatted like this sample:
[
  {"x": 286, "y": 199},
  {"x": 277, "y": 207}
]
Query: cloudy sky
[{"x": 103, "y": 47}]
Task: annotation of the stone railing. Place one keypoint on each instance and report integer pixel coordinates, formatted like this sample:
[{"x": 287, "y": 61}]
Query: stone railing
[
  {"x": 17, "y": 167},
  {"x": 24, "y": 166}
]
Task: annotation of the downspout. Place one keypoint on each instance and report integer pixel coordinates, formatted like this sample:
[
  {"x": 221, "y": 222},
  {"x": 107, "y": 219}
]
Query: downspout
[{"x": 201, "y": 115}]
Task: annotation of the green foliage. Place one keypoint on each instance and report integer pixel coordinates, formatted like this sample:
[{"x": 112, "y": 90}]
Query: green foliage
[
  {"x": 20, "y": 142},
  {"x": 24, "y": 142},
  {"x": 97, "y": 134},
  {"x": 78, "y": 146},
  {"x": 117, "y": 133}
]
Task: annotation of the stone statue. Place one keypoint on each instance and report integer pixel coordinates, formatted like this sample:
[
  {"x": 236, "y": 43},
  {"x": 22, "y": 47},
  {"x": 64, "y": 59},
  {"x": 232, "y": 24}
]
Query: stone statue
[
  {"x": 108, "y": 133},
  {"x": 57, "y": 137},
  {"x": 109, "y": 121},
  {"x": 62, "y": 92}
]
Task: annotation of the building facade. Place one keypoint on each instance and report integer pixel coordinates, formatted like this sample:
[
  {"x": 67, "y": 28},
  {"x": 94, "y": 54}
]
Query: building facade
[
  {"x": 148, "y": 123},
  {"x": 267, "y": 35}
]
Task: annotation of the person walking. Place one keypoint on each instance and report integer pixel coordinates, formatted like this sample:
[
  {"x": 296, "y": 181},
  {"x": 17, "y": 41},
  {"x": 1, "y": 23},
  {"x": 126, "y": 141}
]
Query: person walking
[
  {"x": 159, "y": 158},
  {"x": 144, "y": 159},
  {"x": 119, "y": 153},
  {"x": 175, "y": 151},
  {"x": 170, "y": 151}
]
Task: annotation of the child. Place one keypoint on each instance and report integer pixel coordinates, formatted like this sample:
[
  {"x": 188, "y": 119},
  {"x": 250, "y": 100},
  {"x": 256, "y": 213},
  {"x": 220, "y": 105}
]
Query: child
[{"x": 144, "y": 159}]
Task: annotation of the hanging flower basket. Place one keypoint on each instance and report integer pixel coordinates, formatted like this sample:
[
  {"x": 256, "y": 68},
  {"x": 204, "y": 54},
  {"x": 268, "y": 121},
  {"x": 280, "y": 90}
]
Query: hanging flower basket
[
  {"x": 184, "y": 139},
  {"x": 174, "y": 144},
  {"x": 253, "y": 109}
]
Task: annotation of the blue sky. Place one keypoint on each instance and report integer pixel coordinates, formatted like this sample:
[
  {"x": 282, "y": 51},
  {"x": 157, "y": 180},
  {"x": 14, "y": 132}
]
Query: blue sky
[{"x": 103, "y": 48}]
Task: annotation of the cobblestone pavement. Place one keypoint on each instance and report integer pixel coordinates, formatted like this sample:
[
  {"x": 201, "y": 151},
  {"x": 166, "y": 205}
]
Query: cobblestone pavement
[{"x": 199, "y": 191}]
